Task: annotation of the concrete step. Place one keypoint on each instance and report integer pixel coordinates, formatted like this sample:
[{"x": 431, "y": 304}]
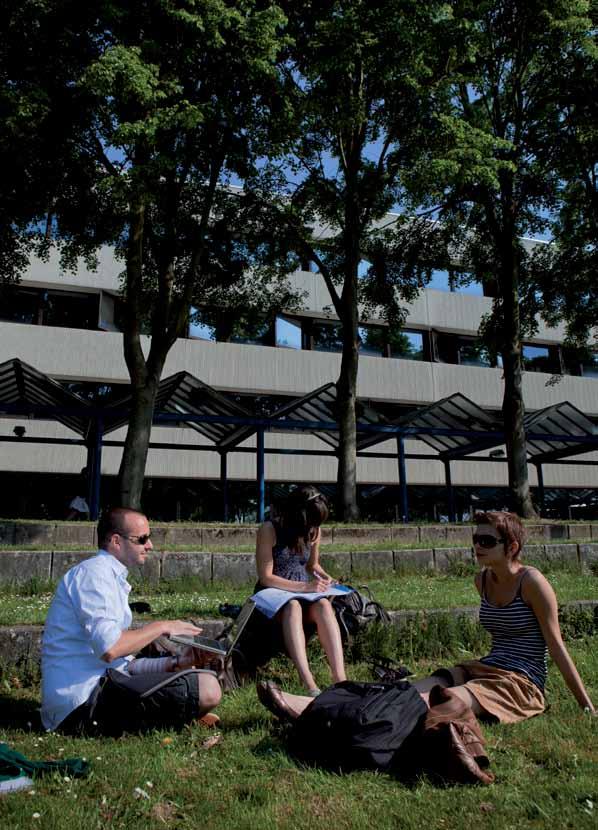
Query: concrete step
[
  {"x": 165, "y": 536},
  {"x": 19, "y": 567}
]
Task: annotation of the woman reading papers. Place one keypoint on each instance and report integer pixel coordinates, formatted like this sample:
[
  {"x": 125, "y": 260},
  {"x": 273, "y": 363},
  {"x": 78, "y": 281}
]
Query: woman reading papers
[{"x": 293, "y": 587}]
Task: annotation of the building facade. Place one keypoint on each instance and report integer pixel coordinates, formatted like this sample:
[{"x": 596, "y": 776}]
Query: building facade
[{"x": 66, "y": 325}]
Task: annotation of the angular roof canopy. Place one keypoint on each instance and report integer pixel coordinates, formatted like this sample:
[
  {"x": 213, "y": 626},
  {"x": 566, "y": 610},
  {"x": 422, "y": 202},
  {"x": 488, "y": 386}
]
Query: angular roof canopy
[
  {"x": 321, "y": 405},
  {"x": 573, "y": 432},
  {"x": 184, "y": 394},
  {"x": 22, "y": 386},
  {"x": 453, "y": 426}
]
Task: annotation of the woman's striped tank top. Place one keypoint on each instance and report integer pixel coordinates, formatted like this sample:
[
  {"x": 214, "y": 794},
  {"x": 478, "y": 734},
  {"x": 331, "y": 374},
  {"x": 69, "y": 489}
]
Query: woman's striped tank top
[{"x": 517, "y": 641}]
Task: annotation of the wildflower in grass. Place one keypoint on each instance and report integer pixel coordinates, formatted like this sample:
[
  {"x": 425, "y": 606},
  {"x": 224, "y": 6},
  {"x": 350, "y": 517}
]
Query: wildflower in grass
[{"x": 139, "y": 793}]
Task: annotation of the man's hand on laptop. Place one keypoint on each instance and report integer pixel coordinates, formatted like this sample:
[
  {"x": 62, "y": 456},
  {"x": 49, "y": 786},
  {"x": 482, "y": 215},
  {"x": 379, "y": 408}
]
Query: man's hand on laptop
[{"x": 180, "y": 628}]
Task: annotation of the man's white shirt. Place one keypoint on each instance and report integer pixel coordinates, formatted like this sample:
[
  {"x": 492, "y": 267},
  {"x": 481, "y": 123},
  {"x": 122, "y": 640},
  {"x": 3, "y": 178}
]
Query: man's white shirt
[{"x": 88, "y": 614}]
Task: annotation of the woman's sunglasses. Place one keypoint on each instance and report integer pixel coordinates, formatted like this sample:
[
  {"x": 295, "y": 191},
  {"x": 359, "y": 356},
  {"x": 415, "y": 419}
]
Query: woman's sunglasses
[{"x": 486, "y": 540}]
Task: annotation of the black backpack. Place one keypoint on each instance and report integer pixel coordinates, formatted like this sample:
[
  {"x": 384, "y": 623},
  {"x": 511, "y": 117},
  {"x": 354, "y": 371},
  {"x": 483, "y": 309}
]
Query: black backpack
[
  {"x": 354, "y": 611},
  {"x": 357, "y": 725}
]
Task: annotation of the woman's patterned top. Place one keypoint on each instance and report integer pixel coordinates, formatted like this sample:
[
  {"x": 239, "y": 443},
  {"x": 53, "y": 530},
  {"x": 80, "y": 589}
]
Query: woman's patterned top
[{"x": 289, "y": 563}]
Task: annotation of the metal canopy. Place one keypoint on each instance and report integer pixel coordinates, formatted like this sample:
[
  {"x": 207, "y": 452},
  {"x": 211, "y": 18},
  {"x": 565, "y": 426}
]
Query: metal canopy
[
  {"x": 458, "y": 416},
  {"x": 322, "y": 405},
  {"x": 184, "y": 394},
  {"x": 563, "y": 421},
  {"x": 22, "y": 386}
]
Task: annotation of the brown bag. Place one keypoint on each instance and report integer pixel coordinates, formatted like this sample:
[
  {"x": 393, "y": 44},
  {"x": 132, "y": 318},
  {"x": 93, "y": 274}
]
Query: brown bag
[{"x": 452, "y": 744}]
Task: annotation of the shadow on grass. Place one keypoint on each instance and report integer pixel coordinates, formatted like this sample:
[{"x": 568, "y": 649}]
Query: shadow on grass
[{"x": 20, "y": 712}]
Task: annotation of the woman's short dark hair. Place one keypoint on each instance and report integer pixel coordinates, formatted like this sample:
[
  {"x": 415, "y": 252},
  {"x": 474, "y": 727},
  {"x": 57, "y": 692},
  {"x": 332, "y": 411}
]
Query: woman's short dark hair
[
  {"x": 302, "y": 514},
  {"x": 509, "y": 525}
]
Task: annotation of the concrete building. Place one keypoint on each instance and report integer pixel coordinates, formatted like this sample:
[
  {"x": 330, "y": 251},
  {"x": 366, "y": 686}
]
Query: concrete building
[{"x": 66, "y": 325}]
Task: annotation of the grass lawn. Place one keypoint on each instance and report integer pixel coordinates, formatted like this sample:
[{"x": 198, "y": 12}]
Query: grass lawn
[
  {"x": 547, "y": 773},
  {"x": 30, "y": 604}
]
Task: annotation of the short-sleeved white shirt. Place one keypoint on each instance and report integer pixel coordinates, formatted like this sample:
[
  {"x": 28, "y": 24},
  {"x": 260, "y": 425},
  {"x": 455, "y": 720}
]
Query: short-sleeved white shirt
[{"x": 88, "y": 614}]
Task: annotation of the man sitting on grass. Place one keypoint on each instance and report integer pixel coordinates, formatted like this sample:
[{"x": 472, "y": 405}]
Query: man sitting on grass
[{"x": 91, "y": 683}]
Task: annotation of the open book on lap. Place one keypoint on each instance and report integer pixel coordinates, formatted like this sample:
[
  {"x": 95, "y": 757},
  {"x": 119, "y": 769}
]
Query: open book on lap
[{"x": 270, "y": 600}]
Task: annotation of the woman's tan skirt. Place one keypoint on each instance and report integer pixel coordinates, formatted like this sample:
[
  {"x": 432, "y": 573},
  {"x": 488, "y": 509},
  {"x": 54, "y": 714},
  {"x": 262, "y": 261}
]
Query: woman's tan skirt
[{"x": 507, "y": 695}]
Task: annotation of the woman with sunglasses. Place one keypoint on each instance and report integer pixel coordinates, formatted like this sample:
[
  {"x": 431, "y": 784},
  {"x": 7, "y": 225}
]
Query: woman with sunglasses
[
  {"x": 519, "y": 610},
  {"x": 288, "y": 558}
]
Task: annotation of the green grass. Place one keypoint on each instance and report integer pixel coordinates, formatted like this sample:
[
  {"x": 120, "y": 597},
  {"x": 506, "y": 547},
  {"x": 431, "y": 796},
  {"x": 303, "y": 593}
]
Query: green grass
[
  {"x": 29, "y": 604},
  {"x": 545, "y": 774}
]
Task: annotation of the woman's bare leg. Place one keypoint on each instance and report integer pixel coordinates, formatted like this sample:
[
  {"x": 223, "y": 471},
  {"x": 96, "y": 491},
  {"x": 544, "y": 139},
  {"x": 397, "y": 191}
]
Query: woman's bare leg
[
  {"x": 424, "y": 685},
  {"x": 291, "y": 618},
  {"x": 296, "y": 702},
  {"x": 322, "y": 614}
]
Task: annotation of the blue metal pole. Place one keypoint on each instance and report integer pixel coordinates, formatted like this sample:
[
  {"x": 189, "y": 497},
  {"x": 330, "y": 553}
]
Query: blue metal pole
[
  {"x": 540, "y": 487},
  {"x": 224, "y": 483},
  {"x": 261, "y": 482},
  {"x": 94, "y": 464},
  {"x": 403, "y": 479},
  {"x": 449, "y": 490}
]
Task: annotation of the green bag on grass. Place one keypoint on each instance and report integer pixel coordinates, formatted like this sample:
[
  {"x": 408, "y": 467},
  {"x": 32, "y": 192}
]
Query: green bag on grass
[{"x": 16, "y": 771}]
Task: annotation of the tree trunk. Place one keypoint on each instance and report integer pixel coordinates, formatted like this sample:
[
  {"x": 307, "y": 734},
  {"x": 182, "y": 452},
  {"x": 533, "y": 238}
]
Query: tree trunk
[
  {"x": 346, "y": 387},
  {"x": 134, "y": 458},
  {"x": 513, "y": 408}
]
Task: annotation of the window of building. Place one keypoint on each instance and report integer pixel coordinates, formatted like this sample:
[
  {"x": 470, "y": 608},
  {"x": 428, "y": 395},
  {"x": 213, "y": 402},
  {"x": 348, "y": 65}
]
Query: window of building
[
  {"x": 288, "y": 333},
  {"x": 20, "y": 305},
  {"x": 372, "y": 341},
  {"x": 539, "y": 359},
  {"x": 71, "y": 309},
  {"x": 589, "y": 366},
  {"x": 406, "y": 345},
  {"x": 471, "y": 352},
  {"x": 326, "y": 337},
  {"x": 198, "y": 328},
  {"x": 581, "y": 361},
  {"x": 253, "y": 332}
]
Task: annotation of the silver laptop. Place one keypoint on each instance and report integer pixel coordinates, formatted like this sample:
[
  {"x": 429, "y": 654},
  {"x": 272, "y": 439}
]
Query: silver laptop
[{"x": 217, "y": 646}]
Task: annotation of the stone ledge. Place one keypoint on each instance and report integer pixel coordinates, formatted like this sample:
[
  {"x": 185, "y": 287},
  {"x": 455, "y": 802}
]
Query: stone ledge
[
  {"x": 17, "y": 532},
  {"x": 20, "y": 645},
  {"x": 21, "y": 566}
]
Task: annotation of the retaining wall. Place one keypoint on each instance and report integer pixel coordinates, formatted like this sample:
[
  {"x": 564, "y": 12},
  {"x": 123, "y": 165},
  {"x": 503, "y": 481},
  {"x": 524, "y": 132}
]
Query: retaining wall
[
  {"x": 164, "y": 536},
  {"x": 22, "y": 566},
  {"x": 20, "y": 645}
]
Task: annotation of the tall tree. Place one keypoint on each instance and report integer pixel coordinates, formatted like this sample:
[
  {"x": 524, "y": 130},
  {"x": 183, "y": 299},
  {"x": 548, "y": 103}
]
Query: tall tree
[
  {"x": 502, "y": 183},
  {"x": 361, "y": 81},
  {"x": 566, "y": 271},
  {"x": 168, "y": 101}
]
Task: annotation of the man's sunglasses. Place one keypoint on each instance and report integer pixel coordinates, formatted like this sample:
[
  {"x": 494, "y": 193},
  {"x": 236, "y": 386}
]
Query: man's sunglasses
[
  {"x": 487, "y": 540},
  {"x": 139, "y": 540}
]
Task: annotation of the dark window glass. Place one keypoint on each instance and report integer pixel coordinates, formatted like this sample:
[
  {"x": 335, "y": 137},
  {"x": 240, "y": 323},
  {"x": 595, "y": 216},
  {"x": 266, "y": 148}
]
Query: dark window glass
[
  {"x": 581, "y": 361},
  {"x": 20, "y": 305},
  {"x": 589, "y": 367},
  {"x": 252, "y": 333},
  {"x": 539, "y": 359},
  {"x": 408, "y": 345},
  {"x": 100, "y": 393},
  {"x": 70, "y": 310},
  {"x": 327, "y": 337},
  {"x": 473, "y": 353},
  {"x": 372, "y": 340}
]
